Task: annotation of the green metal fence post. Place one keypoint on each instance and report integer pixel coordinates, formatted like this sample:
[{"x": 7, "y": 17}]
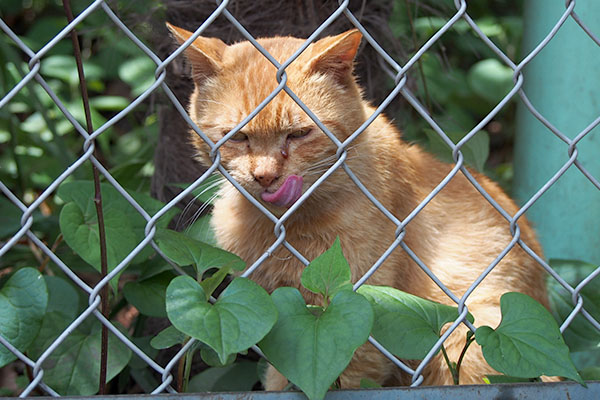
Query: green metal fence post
[{"x": 563, "y": 84}]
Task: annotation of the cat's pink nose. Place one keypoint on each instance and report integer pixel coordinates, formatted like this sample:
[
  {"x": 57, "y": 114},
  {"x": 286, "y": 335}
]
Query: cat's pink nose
[{"x": 266, "y": 179}]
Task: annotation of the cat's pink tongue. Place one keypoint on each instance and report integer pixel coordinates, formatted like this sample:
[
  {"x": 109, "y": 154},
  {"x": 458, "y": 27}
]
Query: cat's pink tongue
[{"x": 287, "y": 194}]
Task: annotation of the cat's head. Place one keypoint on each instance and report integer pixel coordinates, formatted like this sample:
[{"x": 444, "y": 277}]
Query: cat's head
[{"x": 281, "y": 151}]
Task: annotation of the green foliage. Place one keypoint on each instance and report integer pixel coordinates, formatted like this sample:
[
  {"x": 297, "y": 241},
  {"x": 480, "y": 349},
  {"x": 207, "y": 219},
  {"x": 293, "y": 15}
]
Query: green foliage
[
  {"x": 9, "y": 218},
  {"x": 312, "y": 345},
  {"x": 211, "y": 358},
  {"x": 43, "y": 141},
  {"x": 329, "y": 273},
  {"x": 369, "y": 384},
  {"x": 148, "y": 295},
  {"x": 490, "y": 80},
  {"x": 459, "y": 80},
  {"x": 202, "y": 231},
  {"x": 23, "y": 302},
  {"x": 138, "y": 73},
  {"x": 124, "y": 225},
  {"x": 581, "y": 336},
  {"x": 407, "y": 325},
  {"x": 186, "y": 251},
  {"x": 73, "y": 368},
  {"x": 313, "y": 350},
  {"x": 527, "y": 343},
  {"x": 590, "y": 374},
  {"x": 242, "y": 316},
  {"x": 475, "y": 150},
  {"x": 239, "y": 377},
  {"x": 168, "y": 337}
]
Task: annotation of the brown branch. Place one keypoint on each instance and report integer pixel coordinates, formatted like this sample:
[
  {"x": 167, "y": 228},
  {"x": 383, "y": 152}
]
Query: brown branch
[{"x": 97, "y": 200}]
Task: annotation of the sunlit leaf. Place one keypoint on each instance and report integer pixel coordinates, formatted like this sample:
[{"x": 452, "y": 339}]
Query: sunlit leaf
[
  {"x": 243, "y": 314},
  {"x": 329, "y": 273}
]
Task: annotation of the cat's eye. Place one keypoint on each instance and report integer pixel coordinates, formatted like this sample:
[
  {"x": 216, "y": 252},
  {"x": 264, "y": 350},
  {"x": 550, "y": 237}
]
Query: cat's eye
[
  {"x": 300, "y": 133},
  {"x": 238, "y": 137}
]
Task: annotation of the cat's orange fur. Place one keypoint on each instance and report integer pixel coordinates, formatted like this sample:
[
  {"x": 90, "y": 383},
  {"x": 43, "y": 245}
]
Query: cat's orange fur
[{"x": 457, "y": 235}]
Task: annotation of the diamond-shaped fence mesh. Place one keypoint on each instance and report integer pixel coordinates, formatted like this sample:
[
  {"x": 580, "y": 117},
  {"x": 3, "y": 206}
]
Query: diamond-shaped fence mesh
[{"x": 30, "y": 209}]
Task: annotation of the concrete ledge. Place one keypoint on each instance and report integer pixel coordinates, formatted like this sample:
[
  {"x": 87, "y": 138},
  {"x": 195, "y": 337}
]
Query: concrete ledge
[{"x": 533, "y": 391}]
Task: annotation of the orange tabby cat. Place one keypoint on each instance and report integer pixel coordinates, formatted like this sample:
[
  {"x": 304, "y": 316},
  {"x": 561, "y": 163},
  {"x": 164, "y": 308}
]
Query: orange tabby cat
[{"x": 280, "y": 153}]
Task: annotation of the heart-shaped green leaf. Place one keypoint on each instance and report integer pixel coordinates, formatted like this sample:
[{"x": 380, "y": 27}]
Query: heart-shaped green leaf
[
  {"x": 406, "y": 325},
  {"x": 74, "y": 368},
  {"x": 23, "y": 302},
  {"x": 527, "y": 343},
  {"x": 211, "y": 358},
  {"x": 63, "y": 298},
  {"x": 184, "y": 250},
  {"x": 328, "y": 273},
  {"x": 243, "y": 314},
  {"x": 310, "y": 350},
  {"x": 123, "y": 224}
]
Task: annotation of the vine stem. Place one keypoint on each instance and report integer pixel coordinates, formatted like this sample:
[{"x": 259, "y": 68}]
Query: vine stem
[
  {"x": 180, "y": 373},
  {"x": 97, "y": 200},
  {"x": 181, "y": 369},
  {"x": 455, "y": 367},
  {"x": 451, "y": 367},
  {"x": 188, "y": 367},
  {"x": 470, "y": 339}
]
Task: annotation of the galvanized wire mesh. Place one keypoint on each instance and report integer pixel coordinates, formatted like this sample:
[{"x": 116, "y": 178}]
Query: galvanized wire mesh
[{"x": 399, "y": 74}]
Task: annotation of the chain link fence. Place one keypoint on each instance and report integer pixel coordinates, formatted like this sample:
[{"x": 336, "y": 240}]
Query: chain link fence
[{"x": 388, "y": 65}]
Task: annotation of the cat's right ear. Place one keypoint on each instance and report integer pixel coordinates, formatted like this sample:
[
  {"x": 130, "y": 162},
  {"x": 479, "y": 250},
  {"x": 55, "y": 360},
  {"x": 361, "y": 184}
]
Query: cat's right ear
[
  {"x": 204, "y": 54},
  {"x": 334, "y": 55}
]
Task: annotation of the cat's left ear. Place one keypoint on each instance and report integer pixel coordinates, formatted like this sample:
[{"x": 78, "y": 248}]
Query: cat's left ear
[{"x": 334, "y": 55}]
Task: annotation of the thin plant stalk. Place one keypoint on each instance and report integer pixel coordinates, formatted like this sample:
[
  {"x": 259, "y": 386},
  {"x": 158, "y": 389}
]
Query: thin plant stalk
[
  {"x": 188, "y": 367},
  {"x": 97, "y": 202},
  {"x": 470, "y": 339},
  {"x": 451, "y": 366}
]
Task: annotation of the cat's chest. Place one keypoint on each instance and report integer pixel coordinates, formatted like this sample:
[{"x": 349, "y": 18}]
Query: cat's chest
[{"x": 364, "y": 235}]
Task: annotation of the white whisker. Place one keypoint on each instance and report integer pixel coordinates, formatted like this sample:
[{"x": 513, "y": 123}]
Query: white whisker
[
  {"x": 199, "y": 212},
  {"x": 211, "y": 186}
]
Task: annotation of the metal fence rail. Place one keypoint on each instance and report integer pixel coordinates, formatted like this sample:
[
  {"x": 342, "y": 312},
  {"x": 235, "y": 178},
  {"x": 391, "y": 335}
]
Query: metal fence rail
[{"x": 394, "y": 69}]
